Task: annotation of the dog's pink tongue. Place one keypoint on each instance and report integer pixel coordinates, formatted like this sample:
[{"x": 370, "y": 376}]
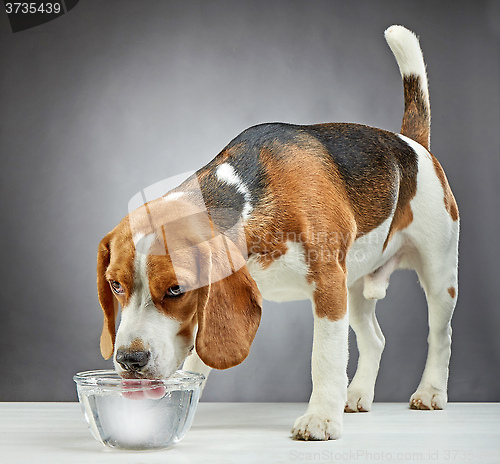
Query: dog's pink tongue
[{"x": 154, "y": 393}]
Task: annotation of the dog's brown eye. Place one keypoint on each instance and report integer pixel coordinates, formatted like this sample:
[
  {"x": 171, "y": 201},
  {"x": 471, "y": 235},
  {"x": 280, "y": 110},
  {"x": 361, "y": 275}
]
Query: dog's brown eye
[
  {"x": 174, "y": 291},
  {"x": 116, "y": 287}
]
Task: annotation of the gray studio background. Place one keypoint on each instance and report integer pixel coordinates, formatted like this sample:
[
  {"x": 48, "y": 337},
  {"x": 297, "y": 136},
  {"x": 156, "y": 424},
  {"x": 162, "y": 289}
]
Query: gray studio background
[{"x": 117, "y": 95}]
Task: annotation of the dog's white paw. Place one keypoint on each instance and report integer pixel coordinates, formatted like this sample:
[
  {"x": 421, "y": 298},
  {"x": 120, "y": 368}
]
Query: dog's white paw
[
  {"x": 358, "y": 401},
  {"x": 317, "y": 427},
  {"x": 428, "y": 398}
]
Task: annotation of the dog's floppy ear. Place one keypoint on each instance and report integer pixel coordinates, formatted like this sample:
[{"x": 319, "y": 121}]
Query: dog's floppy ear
[
  {"x": 106, "y": 299},
  {"x": 229, "y": 308}
]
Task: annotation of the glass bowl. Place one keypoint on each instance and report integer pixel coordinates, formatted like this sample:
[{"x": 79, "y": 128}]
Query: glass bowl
[{"x": 138, "y": 414}]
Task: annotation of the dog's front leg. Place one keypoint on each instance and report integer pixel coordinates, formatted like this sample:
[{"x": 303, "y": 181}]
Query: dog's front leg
[{"x": 323, "y": 419}]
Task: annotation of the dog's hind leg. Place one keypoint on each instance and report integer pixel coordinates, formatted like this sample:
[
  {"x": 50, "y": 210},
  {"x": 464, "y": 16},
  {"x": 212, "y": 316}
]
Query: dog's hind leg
[
  {"x": 438, "y": 277},
  {"x": 433, "y": 235},
  {"x": 370, "y": 342}
]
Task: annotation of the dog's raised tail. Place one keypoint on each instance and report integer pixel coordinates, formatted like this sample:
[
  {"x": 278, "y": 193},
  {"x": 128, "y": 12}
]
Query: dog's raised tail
[{"x": 417, "y": 116}]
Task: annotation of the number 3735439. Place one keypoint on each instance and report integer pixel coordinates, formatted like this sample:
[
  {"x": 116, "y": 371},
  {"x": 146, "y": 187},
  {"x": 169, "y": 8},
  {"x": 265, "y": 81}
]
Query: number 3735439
[{"x": 31, "y": 8}]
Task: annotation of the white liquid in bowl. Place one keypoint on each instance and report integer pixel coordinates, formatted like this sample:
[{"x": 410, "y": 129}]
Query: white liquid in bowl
[{"x": 118, "y": 421}]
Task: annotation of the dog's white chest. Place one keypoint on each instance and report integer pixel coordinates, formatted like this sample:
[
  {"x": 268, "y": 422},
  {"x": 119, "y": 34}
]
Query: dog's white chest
[{"x": 286, "y": 278}]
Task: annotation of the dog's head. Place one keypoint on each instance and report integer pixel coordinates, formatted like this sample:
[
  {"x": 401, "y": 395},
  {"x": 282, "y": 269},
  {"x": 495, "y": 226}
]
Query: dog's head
[{"x": 179, "y": 286}]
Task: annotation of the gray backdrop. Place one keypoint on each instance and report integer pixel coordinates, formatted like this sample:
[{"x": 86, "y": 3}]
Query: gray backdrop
[{"x": 117, "y": 95}]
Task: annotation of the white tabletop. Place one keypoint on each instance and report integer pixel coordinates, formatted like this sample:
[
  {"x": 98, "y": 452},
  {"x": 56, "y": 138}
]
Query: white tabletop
[{"x": 260, "y": 432}]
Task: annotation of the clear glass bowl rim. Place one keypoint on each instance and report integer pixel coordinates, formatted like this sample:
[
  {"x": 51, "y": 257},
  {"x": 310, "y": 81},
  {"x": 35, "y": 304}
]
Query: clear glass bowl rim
[{"x": 109, "y": 379}]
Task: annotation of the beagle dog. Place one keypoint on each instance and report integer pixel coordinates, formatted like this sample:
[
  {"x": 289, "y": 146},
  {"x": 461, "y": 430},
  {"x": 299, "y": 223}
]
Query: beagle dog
[{"x": 287, "y": 212}]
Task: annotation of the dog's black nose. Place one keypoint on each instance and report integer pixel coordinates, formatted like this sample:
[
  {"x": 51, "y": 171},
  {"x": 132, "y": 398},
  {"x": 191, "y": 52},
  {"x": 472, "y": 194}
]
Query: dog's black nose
[{"x": 132, "y": 360}]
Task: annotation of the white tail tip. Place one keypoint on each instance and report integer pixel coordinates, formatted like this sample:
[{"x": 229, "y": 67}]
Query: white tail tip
[{"x": 406, "y": 49}]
